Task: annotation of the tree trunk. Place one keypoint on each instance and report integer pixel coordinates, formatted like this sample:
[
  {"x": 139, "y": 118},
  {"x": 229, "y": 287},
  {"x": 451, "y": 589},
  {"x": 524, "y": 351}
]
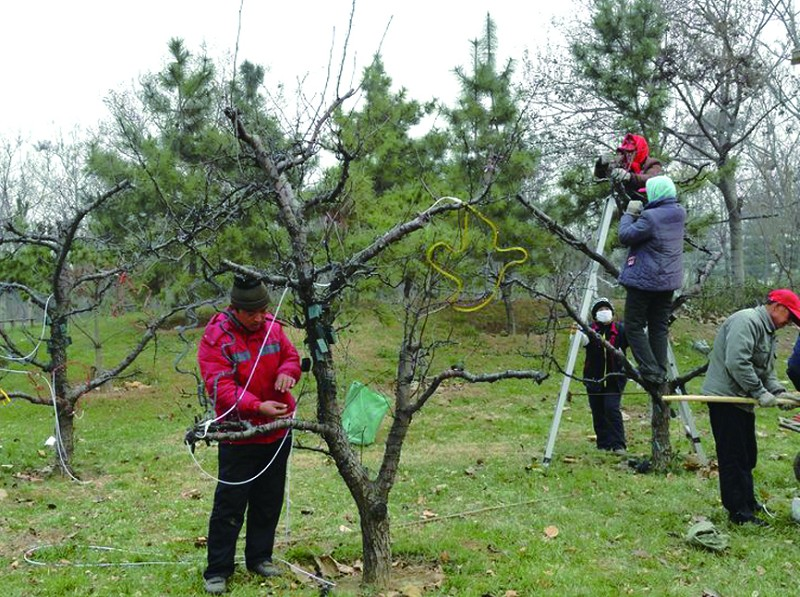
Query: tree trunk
[
  {"x": 659, "y": 423},
  {"x": 511, "y": 322},
  {"x": 66, "y": 448},
  {"x": 376, "y": 544},
  {"x": 65, "y": 409},
  {"x": 373, "y": 512},
  {"x": 98, "y": 345},
  {"x": 727, "y": 186}
]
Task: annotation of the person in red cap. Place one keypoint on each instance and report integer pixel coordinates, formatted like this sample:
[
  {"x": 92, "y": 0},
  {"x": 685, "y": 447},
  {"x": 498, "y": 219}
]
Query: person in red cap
[
  {"x": 742, "y": 363},
  {"x": 630, "y": 168}
]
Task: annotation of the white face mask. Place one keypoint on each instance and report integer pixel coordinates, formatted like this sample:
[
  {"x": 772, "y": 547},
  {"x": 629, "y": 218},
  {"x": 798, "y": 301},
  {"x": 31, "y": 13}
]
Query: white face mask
[{"x": 604, "y": 316}]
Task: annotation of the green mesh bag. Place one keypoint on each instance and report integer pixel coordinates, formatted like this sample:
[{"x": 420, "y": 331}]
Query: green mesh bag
[{"x": 364, "y": 410}]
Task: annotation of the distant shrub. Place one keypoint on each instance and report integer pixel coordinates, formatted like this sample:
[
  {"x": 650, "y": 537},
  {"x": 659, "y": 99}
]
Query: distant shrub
[{"x": 720, "y": 300}]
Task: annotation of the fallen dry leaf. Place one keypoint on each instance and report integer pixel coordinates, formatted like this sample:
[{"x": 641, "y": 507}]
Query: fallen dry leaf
[
  {"x": 551, "y": 532},
  {"x": 344, "y": 529},
  {"x": 326, "y": 566}
]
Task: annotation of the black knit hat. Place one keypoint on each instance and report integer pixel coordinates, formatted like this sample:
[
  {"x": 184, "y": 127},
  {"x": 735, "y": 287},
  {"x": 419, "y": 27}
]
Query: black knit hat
[
  {"x": 601, "y": 302},
  {"x": 248, "y": 294}
]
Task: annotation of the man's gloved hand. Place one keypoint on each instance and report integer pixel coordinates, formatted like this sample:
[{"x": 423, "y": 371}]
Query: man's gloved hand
[
  {"x": 791, "y": 400},
  {"x": 620, "y": 175},
  {"x": 634, "y": 208},
  {"x": 767, "y": 399}
]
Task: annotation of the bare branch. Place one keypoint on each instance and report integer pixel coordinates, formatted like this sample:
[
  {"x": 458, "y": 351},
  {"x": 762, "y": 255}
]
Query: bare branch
[
  {"x": 569, "y": 238},
  {"x": 198, "y": 432},
  {"x": 536, "y": 376}
]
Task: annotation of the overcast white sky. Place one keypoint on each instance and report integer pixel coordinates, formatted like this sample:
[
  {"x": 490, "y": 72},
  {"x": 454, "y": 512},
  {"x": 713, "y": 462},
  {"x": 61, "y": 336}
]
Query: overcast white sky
[{"x": 61, "y": 58}]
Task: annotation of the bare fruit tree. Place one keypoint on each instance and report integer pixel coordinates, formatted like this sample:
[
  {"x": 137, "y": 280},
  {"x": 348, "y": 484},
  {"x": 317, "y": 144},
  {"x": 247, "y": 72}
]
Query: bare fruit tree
[
  {"x": 318, "y": 287},
  {"x": 51, "y": 258}
]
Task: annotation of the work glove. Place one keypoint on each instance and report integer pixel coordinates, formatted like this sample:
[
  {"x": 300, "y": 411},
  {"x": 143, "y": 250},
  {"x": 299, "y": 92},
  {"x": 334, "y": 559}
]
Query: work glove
[
  {"x": 620, "y": 175},
  {"x": 795, "y": 401},
  {"x": 634, "y": 208},
  {"x": 582, "y": 338},
  {"x": 767, "y": 399}
]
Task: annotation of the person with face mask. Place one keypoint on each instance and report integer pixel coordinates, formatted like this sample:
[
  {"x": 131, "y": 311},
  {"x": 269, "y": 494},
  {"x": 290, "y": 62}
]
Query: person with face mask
[{"x": 604, "y": 377}]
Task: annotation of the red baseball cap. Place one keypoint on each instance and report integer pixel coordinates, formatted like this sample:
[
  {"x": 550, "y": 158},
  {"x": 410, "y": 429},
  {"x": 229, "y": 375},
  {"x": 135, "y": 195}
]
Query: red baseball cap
[{"x": 787, "y": 298}]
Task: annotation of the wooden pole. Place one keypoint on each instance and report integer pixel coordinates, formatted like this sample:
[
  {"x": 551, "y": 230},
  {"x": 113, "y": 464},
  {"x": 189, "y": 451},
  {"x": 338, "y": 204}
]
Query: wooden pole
[{"x": 726, "y": 399}]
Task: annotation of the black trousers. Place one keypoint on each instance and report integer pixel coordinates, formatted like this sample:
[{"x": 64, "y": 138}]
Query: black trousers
[
  {"x": 607, "y": 420},
  {"x": 737, "y": 452},
  {"x": 262, "y": 498},
  {"x": 651, "y": 310}
]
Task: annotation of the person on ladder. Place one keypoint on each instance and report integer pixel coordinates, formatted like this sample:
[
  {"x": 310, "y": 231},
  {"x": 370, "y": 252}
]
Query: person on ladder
[
  {"x": 628, "y": 170},
  {"x": 604, "y": 377},
  {"x": 652, "y": 272}
]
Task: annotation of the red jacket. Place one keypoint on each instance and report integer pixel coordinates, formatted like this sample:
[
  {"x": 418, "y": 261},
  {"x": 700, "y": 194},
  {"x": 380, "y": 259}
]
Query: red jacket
[
  {"x": 227, "y": 355},
  {"x": 641, "y": 166}
]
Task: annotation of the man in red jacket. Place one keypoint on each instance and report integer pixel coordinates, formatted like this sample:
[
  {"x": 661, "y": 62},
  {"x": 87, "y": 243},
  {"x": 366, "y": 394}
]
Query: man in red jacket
[{"x": 248, "y": 366}]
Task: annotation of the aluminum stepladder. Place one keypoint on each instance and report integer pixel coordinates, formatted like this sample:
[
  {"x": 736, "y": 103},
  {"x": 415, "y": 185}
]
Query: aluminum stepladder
[
  {"x": 685, "y": 412},
  {"x": 588, "y": 296}
]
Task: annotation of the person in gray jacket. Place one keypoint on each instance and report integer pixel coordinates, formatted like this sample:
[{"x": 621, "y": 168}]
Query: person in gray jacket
[
  {"x": 742, "y": 363},
  {"x": 652, "y": 271}
]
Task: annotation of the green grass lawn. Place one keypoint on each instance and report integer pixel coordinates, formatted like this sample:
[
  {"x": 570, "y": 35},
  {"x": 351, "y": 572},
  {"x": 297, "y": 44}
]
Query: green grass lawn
[{"x": 473, "y": 512}]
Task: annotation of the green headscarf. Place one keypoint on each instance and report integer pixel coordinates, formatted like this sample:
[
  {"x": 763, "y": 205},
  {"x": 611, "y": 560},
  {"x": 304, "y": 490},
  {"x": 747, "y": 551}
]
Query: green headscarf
[{"x": 660, "y": 187}]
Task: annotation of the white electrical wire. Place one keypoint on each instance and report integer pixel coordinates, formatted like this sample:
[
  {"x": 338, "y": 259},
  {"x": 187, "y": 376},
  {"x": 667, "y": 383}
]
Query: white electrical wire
[
  {"x": 29, "y": 552},
  {"x": 251, "y": 479},
  {"x": 28, "y": 557},
  {"x": 38, "y": 342},
  {"x": 60, "y": 450},
  {"x": 208, "y": 423},
  {"x": 306, "y": 573},
  {"x": 59, "y": 445}
]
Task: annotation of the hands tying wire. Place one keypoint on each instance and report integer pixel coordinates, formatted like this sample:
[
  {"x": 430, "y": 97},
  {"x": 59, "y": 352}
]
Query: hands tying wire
[
  {"x": 284, "y": 383},
  {"x": 274, "y": 409}
]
